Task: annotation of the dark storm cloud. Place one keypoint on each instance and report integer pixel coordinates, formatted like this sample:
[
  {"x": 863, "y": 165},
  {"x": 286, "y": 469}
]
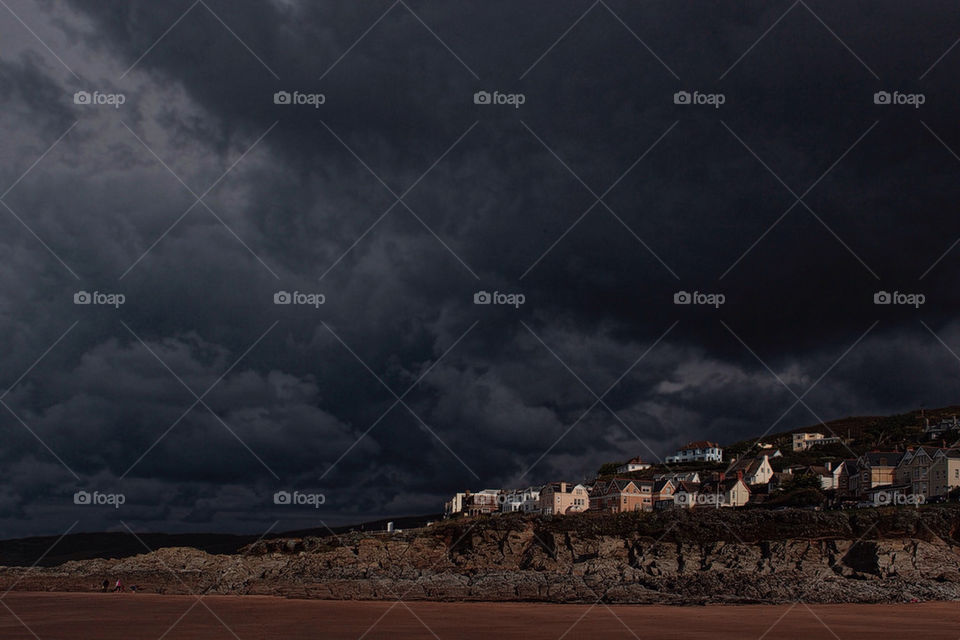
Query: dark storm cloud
[{"x": 512, "y": 206}]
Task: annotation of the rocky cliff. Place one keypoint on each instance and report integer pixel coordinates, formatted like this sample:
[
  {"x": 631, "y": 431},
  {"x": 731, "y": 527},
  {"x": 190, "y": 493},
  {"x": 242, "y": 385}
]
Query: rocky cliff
[{"x": 678, "y": 557}]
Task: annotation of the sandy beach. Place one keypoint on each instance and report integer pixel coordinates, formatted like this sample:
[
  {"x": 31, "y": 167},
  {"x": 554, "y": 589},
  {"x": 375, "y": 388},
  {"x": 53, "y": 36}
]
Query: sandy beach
[{"x": 52, "y": 616}]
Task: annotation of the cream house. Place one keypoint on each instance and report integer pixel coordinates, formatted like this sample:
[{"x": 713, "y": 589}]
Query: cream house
[
  {"x": 755, "y": 470},
  {"x": 562, "y": 498},
  {"x": 945, "y": 472}
]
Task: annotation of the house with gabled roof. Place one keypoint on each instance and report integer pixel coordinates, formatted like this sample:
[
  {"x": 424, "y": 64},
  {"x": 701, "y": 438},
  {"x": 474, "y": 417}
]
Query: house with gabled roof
[
  {"x": 724, "y": 492},
  {"x": 914, "y": 470},
  {"x": 686, "y": 493},
  {"x": 755, "y": 470},
  {"x": 563, "y": 498},
  {"x": 619, "y": 495},
  {"x": 727, "y": 492},
  {"x": 848, "y": 475}
]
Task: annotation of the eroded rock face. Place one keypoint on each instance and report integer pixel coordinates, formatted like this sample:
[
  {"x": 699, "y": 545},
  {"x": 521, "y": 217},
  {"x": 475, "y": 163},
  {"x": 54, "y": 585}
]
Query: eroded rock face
[{"x": 691, "y": 558}]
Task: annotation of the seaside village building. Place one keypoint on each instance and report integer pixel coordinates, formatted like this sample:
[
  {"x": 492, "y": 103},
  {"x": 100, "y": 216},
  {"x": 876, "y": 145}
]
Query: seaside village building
[
  {"x": 881, "y": 477},
  {"x": 753, "y": 470},
  {"x": 634, "y": 464},
  {"x": 939, "y": 429},
  {"x": 803, "y": 441},
  {"x": 622, "y": 494},
  {"x": 699, "y": 451},
  {"x": 724, "y": 492},
  {"x": 929, "y": 472},
  {"x": 522, "y": 500},
  {"x": 562, "y": 498}
]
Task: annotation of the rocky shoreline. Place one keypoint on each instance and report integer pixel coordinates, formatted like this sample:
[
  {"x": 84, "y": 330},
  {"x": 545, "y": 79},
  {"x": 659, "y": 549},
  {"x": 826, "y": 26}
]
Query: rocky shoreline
[{"x": 681, "y": 558}]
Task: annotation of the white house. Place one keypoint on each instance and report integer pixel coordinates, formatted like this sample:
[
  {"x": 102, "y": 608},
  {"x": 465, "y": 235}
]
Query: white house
[
  {"x": 523, "y": 500},
  {"x": 633, "y": 464},
  {"x": 454, "y": 505},
  {"x": 699, "y": 451}
]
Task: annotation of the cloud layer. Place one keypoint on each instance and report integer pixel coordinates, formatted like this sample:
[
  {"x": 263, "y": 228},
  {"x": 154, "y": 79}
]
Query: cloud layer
[{"x": 399, "y": 197}]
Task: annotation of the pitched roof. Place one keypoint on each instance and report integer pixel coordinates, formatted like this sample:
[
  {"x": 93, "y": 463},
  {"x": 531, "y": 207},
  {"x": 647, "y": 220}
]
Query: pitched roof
[
  {"x": 658, "y": 485},
  {"x": 723, "y": 485},
  {"x": 616, "y": 485},
  {"x": 747, "y": 465},
  {"x": 820, "y": 471},
  {"x": 701, "y": 444}
]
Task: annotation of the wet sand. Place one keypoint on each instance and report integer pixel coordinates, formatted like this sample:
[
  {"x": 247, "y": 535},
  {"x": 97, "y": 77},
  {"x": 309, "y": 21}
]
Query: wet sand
[{"x": 56, "y": 616}]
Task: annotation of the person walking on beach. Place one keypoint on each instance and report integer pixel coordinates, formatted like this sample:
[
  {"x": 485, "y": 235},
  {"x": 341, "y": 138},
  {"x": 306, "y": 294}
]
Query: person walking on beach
[
  {"x": 105, "y": 585},
  {"x": 118, "y": 586}
]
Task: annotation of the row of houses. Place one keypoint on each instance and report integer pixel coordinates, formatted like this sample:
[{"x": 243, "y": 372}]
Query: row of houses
[
  {"x": 555, "y": 498},
  {"x": 616, "y": 495},
  {"x": 922, "y": 474},
  {"x": 882, "y": 477}
]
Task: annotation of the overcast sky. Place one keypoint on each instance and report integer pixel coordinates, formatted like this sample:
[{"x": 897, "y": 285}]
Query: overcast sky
[{"x": 587, "y": 185}]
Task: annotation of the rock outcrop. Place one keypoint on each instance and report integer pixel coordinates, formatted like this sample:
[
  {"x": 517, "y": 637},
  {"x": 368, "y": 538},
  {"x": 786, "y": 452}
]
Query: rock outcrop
[{"x": 671, "y": 558}]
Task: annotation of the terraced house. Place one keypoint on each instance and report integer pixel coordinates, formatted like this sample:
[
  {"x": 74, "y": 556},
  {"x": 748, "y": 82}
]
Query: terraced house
[
  {"x": 914, "y": 469},
  {"x": 929, "y": 471},
  {"x": 622, "y": 494}
]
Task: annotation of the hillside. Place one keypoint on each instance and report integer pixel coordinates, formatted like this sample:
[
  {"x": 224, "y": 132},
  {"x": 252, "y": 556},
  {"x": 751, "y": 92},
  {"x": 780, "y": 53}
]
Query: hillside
[
  {"x": 863, "y": 433},
  {"x": 678, "y": 557}
]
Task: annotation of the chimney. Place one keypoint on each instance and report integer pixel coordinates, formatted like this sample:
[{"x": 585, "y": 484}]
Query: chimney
[
  {"x": 828, "y": 466},
  {"x": 739, "y": 475},
  {"x": 563, "y": 487}
]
